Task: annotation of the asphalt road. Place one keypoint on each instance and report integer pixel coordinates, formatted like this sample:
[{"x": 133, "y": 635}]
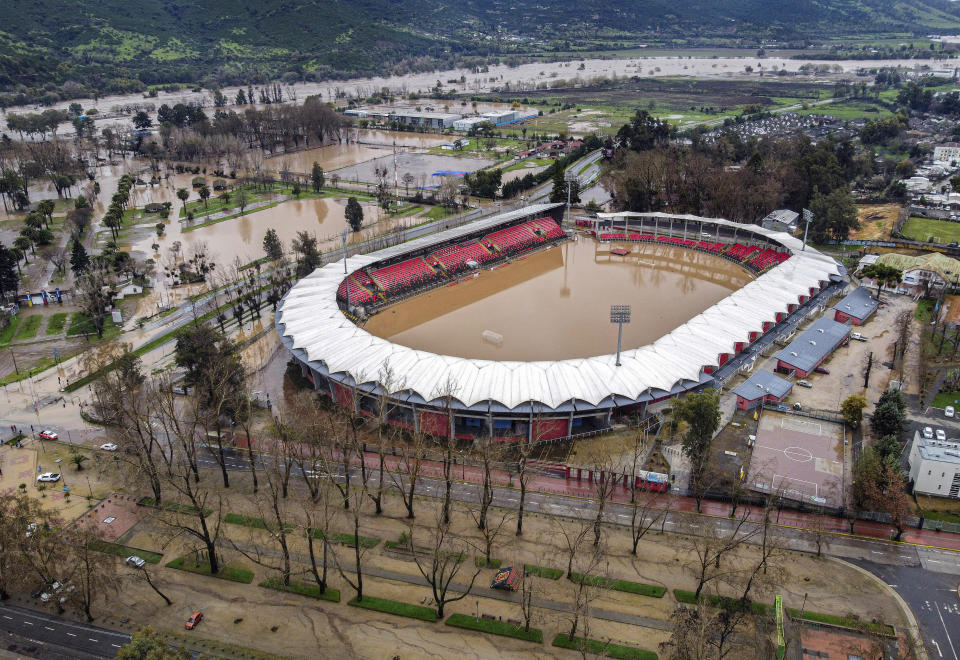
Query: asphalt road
[
  {"x": 934, "y": 600},
  {"x": 55, "y": 638}
]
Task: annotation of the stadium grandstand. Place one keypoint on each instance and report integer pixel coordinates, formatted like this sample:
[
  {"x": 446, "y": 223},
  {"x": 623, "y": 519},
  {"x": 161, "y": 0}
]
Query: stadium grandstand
[
  {"x": 446, "y": 395},
  {"x": 366, "y": 290}
]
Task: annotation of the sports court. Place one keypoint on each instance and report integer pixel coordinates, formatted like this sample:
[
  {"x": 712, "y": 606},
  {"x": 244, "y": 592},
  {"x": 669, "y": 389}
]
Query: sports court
[{"x": 798, "y": 458}]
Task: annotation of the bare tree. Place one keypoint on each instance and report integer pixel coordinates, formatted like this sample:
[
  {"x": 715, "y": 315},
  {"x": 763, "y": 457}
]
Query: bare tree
[
  {"x": 711, "y": 545},
  {"x": 445, "y": 557},
  {"x": 358, "y": 497},
  {"x": 84, "y": 573},
  {"x": 528, "y": 590},
  {"x": 574, "y": 534},
  {"x": 406, "y": 472}
]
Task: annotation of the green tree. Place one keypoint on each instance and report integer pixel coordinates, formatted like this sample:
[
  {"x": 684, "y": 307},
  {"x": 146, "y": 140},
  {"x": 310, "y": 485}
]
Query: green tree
[
  {"x": 183, "y": 195},
  {"x": 887, "y": 446},
  {"x": 890, "y": 415},
  {"x": 9, "y": 279},
  {"x": 304, "y": 245},
  {"x": 272, "y": 245},
  {"x": 883, "y": 275},
  {"x": 148, "y": 644},
  {"x": 204, "y": 193},
  {"x": 317, "y": 177},
  {"x": 142, "y": 121},
  {"x": 354, "y": 214},
  {"x": 701, "y": 415},
  {"x": 852, "y": 409},
  {"x": 834, "y": 215},
  {"x": 23, "y": 244}
]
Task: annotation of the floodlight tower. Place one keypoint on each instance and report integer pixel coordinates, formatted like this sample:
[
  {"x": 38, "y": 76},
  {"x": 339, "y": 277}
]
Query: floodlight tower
[
  {"x": 807, "y": 218},
  {"x": 344, "y": 237},
  {"x": 570, "y": 177},
  {"x": 619, "y": 314}
]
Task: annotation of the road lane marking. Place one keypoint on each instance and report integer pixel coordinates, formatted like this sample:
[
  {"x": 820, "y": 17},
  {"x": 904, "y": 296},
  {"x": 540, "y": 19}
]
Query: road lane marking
[
  {"x": 91, "y": 639},
  {"x": 27, "y": 623},
  {"x": 71, "y": 634},
  {"x": 48, "y": 627},
  {"x": 946, "y": 632}
]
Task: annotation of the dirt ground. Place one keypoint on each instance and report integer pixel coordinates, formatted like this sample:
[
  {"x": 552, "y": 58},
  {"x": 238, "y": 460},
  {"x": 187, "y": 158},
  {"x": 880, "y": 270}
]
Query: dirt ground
[
  {"x": 304, "y": 626},
  {"x": 876, "y": 221}
]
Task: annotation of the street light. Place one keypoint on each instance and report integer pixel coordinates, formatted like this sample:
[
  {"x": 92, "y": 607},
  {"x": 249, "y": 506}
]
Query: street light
[{"x": 619, "y": 314}]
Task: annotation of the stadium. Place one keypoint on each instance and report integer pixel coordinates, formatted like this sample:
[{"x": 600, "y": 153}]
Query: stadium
[{"x": 320, "y": 321}]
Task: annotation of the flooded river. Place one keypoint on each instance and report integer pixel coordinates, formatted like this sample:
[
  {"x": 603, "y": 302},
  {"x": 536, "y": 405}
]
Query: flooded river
[{"x": 555, "y": 304}]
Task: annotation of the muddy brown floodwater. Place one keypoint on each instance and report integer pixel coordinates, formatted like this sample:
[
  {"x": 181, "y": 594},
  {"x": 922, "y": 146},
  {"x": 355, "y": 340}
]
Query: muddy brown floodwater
[{"x": 555, "y": 304}]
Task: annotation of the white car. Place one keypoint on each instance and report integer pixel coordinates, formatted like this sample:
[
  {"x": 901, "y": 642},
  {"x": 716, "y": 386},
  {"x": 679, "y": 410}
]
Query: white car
[
  {"x": 108, "y": 446},
  {"x": 135, "y": 561},
  {"x": 941, "y": 435},
  {"x": 48, "y": 476},
  {"x": 928, "y": 433},
  {"x": 948, "y": 411}
]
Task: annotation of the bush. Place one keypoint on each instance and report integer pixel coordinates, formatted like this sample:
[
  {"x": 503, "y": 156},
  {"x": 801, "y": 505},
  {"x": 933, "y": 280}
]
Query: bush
[
  {"x": 348, "y": 540},
  {"x": 231, "y": 572},
  {"x": 599, "y": 648},
  {"x": 481, "y": 562},
  {"x": 495, "y": 628},
  {"x": 651, "y": 590},
  {"x": 543, "y": 571},
  {"x": 395, "y": 607},
  {"x": 302, "y": 589}
]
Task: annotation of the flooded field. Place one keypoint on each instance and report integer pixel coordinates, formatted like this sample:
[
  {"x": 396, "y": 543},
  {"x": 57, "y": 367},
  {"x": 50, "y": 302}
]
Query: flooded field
[
  {"x": 363, "y": 145},
  {"x": 555, "y": 304},
  {"x": 421, "y": 166},
  {"x": 243, "y": 236}
]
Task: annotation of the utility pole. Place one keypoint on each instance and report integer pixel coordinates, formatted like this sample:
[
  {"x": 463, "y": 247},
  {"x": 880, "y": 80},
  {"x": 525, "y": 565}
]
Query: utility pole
[
  {"x": 619, "y": 314},
  {"x": 571, "y": 177},
  {"x": 866, "y": 372}
]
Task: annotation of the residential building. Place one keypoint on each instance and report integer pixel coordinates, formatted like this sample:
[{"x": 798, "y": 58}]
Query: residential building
[
  {"x": 923, "y": 275},
  {"x": 762, "y": 387},
  {"x": 856, "y": 307},
  {"x": 935, "y": 466},
  {"x": 947, "y": 152}
]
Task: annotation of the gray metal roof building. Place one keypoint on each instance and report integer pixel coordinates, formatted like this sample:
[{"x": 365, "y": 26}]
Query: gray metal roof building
[
  {"x": 763, "y": 383},
  {"x": 813, "y": 345},
  {"x": 859, "y": 304}
]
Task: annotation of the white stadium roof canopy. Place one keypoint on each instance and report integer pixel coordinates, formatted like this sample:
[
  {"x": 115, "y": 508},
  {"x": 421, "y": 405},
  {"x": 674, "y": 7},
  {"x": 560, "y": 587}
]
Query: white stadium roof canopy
[{"x": 310, "y": 320}]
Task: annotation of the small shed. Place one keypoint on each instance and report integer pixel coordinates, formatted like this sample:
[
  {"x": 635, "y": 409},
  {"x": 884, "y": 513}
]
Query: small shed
[
  {"x": 761, "y": 387},
  {"x": 856, "y": 307}
]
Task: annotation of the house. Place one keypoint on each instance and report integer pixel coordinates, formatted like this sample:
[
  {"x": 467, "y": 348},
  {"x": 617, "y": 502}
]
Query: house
[
  {"x": 127, "y": 288},
  {"x": 856, "y": 307},
  {"x": 811, "y": 347},
  {"x": 923, "y": 275},
  {"x": 935, "y": 466},
  {"x": 468, "y": 123},
  {"x": 781, "y": 220},
  {"x": 762, "y": 387}
]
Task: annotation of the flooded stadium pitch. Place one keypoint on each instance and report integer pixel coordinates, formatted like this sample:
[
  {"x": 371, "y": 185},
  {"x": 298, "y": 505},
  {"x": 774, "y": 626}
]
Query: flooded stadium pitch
[{"x": 555, "y": 304}]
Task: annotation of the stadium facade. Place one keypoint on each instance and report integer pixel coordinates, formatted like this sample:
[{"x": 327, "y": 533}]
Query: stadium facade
[{"x": 448, "y": 395}]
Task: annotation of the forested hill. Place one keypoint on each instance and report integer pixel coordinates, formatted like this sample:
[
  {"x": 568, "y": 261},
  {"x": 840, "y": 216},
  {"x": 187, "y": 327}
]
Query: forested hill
[{"x": 121, "y": 45}]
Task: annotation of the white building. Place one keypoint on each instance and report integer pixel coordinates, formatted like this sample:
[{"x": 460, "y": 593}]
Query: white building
[
  {"x": 947, "y": 152},
  {"x": 429, "y": 119},
  {"x": 500, "y": 117},
  {"x": 781, "y": 220},
  {"x": 467, "y": 123},
  {"x": 935, "y": 467}
]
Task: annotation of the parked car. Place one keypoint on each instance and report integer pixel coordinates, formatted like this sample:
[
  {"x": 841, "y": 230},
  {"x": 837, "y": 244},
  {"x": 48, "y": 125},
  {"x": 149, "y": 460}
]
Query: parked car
[
  {"x": 948, "y": 411},
  {"x": 857, "y": 336},
  {"x": 797, "y": 406},
  {"x": 821, "y": 370},
  {"x": 48, "y": 435},
  {"x": 927, "y": 432},
  {"x": 32, "y": 529},
  {"x": 941, "y": 435},
  {"x": 194, "y": 620},
  {"x": 108, "y": 446},
  {"x": 48, "y": 476},
  {"x": 135, "y": 561},
  {"x": 804, "y": 383}
]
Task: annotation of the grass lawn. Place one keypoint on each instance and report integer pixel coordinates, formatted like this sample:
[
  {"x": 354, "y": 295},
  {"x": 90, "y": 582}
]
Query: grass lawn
[
  {"x": 57, "y": 323},
  {"x": 125, "y": 551},
  {"x": 495, "y": 628},
  {"x": 28, "y": 327},
  {"x": 232, "y": 571},
  {"x": 924, "y": 310},
  {"x": 544, "y": 571},
  {"x": 481, "y": 562},
  {"x": 602, "y": 649},
  {"x": 7, "y": 333},
  {"x": 81, "y": 324},
  {"x": 302, "y": 589},
  {"x": 395, "y": 607},
  {"x": 923, "y": 229},
  {"x": 172, "y": 506},
  {"x": 688, "y": 597},
  {"x": 438, "y": 213},
  {"x": 942, "y": 516},
  {"x": 650, "y": 590},
  {"x": 944, "y": 399}
]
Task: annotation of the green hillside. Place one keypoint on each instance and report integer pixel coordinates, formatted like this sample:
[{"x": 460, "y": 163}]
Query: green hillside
[{"x": 114, "y": 46}]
